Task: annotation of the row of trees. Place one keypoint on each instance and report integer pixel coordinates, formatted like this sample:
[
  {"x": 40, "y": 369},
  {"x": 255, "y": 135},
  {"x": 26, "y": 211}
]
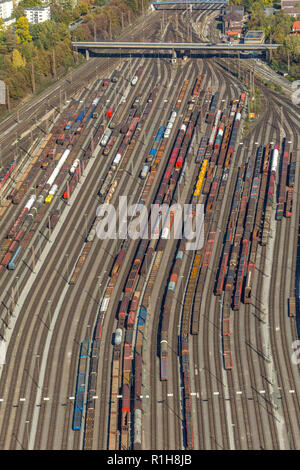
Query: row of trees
[
  {"x": 277, "y": 29},
  {"x": 107, "y": 22},
  {"x": 31, "y": 55}
]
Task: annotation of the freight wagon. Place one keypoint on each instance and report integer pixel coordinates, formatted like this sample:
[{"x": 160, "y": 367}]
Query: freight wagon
[
  {"x": 6, "y": 173},
  {"x": 80, "y": 386},
  {"x": 144, "y": 171},
  {"x": 201, "y": 149},
  {"x": 105, "y": 137},
  {"x": 53, "y": 219},
  {"x": 228, "y": 363},
  {"x": 134, "y": 80},
  {"x": 292, "y": 307},
  {"x": 289, "y": 202},
  {"x": 292, "y": 169},
  {"x": 282, "y": 182},
  {"x": 109, "y": 113},
  {"x": 12, "y": 264}
]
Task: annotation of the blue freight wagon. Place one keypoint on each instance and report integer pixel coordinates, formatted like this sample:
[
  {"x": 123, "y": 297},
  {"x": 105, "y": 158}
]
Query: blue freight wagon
[
  {"x": 12, "y": 263},
  {"x": 77, "y": 419},
  {"x": 78, "y": 411},
  {"x": 159, "y": 134},
  {"x": 84, "y": 349},
  {"x": 142, "y": 316},
  {"x": 80, "y": 386},
  {"x": 80, "y": 116}
]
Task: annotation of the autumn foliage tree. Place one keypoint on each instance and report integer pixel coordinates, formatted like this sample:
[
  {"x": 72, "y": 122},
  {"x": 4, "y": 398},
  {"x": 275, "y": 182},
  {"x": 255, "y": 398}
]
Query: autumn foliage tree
[
  {"x": 24, "y": 45},
  {"x": 22, "y": 30}
]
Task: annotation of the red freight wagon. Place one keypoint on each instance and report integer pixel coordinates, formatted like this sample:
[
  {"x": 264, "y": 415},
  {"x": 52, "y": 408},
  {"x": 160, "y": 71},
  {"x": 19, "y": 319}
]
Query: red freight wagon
[
  {"x": 130, "y": 320},
  {"x": 7, "y": 258},
  {"x": 179, "y": 162},
  {"x": 109, "y": 112},
  {"x": 126, "y": 398},
  {"x": 226, "y": 326},
  {"x": 228, "y": 360},
  {"x": 60, "y": 139},
  {"x": 123, "y": 307}
]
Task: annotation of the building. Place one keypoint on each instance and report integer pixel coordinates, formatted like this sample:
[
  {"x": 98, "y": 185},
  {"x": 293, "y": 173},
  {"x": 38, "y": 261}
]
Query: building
[
  {"x": 233, "y": 21},
  {"x": 296, "y": 27},
  {"x": 6, "y": 8},
  {"x": 37, "y": 14},
  {"x": 254, "y": 37},
  {"x": 291, "y": 7}
]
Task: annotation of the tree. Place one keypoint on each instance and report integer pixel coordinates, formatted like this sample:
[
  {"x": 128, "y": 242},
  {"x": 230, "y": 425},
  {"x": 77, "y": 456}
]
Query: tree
[
  {"x": 22, "y": 30},
  {"x": 30, "y": 3},
  {"x": 17, "y": 59},
  {"x": 292, "y": 44},
  {"x": 2, "y": 33},
  {"x": 83, "y": 7},
  {"x": 18, "y": 12},
  {"x": 60, "y": 15},
  {"x": 47, "y": 34}
]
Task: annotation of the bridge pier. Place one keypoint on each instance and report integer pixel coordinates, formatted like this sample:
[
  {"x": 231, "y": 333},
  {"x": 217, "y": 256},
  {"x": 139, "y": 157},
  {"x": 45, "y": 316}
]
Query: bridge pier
[{"x": 87, "y": 55}]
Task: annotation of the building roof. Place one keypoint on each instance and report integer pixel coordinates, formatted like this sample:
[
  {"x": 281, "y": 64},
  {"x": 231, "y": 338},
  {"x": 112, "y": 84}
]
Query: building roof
[
  {"x": 37, "y": 8},
  {"x": 296, "y": 25},
  {"x": 291, "y": 10},
  {"x": 254, "y": 34},
  {"x": 233, "y": 13},
  {"x": 285, "y": 3}
]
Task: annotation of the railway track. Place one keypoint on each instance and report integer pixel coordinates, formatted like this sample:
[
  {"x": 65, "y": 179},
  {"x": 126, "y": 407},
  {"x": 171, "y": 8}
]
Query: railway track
[
  {"x": 70, "y": 316},
  {"x": 78, "y": 293},
  {"x": 281, "y": 351},
  {"x": 279, "y": 102}
]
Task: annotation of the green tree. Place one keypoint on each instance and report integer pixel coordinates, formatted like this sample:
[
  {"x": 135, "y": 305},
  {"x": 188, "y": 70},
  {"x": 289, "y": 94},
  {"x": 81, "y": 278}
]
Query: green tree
[
  {"x": 30, "y": 3},
  {"x": 47, "y": 34},
  {"x": 18, "y": 12},
  {"x": 292, "y": 43},
  {"x": 60, "y": 15}
]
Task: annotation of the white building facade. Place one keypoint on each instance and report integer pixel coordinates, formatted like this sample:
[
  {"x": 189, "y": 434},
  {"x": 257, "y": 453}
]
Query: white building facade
[
  {"x": 6, "y": 8},
  {"x": 37, "y": 14}
]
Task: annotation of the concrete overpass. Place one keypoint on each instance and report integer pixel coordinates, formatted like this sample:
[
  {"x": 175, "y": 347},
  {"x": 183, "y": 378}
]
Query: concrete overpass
[
  {"x": 185, "y": 4},
  {"x": 174, "y": 48}
]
